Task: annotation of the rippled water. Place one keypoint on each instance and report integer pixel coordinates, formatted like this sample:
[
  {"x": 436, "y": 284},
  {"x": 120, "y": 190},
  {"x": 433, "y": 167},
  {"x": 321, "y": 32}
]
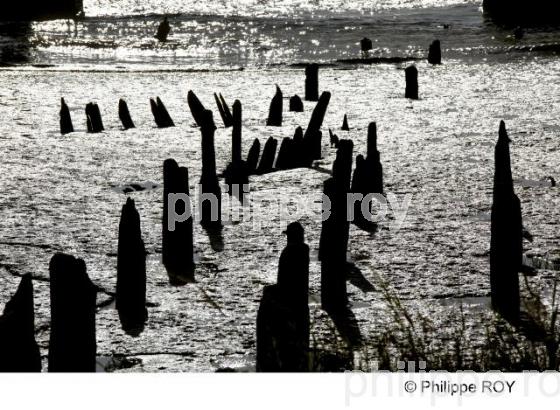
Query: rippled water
[
  {"x": 57, "y": 192},
  {"x": 121, "y": 34}
]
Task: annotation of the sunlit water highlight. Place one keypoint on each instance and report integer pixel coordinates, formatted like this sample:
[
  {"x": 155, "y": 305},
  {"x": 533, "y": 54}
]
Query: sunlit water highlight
[{"x": 58, "y": 192}]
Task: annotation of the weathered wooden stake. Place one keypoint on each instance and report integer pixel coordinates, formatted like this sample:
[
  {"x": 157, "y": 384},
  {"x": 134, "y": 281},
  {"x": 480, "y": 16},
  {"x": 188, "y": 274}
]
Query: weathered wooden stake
[
  {"x": 312, "y": 82},
  {"x": 131, "y": 271},
  {"x": 124, "y": 115},
  {"x": 177, "y": 232},
  {"x": 411, "y": 76},
  {"x": 72, "y": 345},
  {"x": 65, "y": 118},
  {"x": 19, "y": 351},
  {"x": 506, "y": 243},
  {"x": 275, "y": 111}
]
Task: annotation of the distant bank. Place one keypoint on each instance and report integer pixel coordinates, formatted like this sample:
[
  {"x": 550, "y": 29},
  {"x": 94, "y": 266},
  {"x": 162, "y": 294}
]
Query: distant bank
[
  {"x": 41, "y": 9},
  {"x": 523, "y": 12}
]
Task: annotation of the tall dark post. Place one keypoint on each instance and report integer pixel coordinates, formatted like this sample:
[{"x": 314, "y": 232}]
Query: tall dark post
[
  {"x": 434, "y": 53},
  {"x": 373, "y": 162},
  {"x": 236, "y": 174},
  {"x": 196, "y": 107},
  {"x": 411, "y": 76},
  {"x": 367, "y": 180},
  {"x": 65, "y": 118},
  {"x": 283, "y": 316},
  {"x": 131, "y": 271},
  {"x": 93, "y": 117},
  {"x": 164, "y": 114},
  {"x": 225, "y": 107},
  {"x": 210, "y": 196},
  {"x": 333, "y": 242},
  {"x": 236, "y": 132},
  {"x": 161, "y": 116},
  {"x": 18, "y": 349},
  {"x": 286, "y": 155},
  {"x": 253, "y": 156},
  {"x": 506, "y": 244},
  {"x": 224, "y": 111},
  {"x": 312, "y": 82},
  {"x": 124, "y": 115},
  {"x": 268, "y": 155},
  {"x": 275, "y": 111},
  {"x": 359, "y": 186},
  {"x": 72, "y": 345},
  {"x": 177, "y": 245},
  {"x": 312, "y": 136}
]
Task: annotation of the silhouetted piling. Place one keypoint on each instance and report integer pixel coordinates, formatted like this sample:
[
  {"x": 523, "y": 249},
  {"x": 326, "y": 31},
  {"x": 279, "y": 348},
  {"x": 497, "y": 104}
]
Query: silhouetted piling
[
  {"x": 65, "y": 118},
  {"x": 210, "y": 195},
  {"x": 434, "y": 53},
  {"x": 177, "y": 245},
  {"x": 506, "y": 244},
  {"x": 296, "y": 105},
  {"x": 196, "y": 107},
  {"x": 333, "y": 139},
  {"x": 131, "y": 271},
  {"x": 72, "y": 345},
  {"x": 93, "y": 117},
  {"x": 411, "y": 76},
  {"x": 253, "y": 156},
  {"x": 367, "y": 180},
  {"x": 236, "y": 132},
  {"x": 358, "y": 186},
  {"x": 19, "y": 351},
  {"x": 333, "y": 242},
  {"x": 298, "y": 149},
  {"x": 236, "y": 174},
  {"x": 161, "y": 116},
  {"x": 312, "y": 137},
  {"x": 293, "y": 268},
  {"x": 224, "y": 111},
  {"x": 124, "y": 115},
  {"x": 373, "y": 162},
  {"x": 312, "y": 82},
  {"x": 283, "y": 316},
  {"x": 366, "y": 46},
  {"x": 345, "y": 126},
  {"x": 285, "y": 156},
  {"x": 275, "y": 110},
  {"x": 269, "y": 153}
]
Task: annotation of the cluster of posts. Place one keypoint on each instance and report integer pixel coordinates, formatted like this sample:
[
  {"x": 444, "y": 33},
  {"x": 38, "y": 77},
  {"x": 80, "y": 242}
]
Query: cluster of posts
[{"x": 283, "y": 315}]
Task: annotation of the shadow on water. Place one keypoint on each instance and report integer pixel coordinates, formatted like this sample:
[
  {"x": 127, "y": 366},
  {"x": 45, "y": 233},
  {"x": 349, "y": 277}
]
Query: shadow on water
[
  {"x": 356, "y": 278},
  {"x": 216, "y": 237},
  {"x": 14, "y": 43},
  {"x": 347, "y": 325},
  {"x": 344, "y": 319}
]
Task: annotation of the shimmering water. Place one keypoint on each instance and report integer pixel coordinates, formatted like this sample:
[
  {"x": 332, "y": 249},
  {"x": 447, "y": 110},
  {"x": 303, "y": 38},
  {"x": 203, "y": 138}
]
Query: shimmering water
[{"x": 57, "y": 192}]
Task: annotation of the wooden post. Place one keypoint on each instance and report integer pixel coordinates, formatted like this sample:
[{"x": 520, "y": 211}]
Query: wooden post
[
  {"x": 131, "y": 271},
  {"x": 72, "y": 345}
]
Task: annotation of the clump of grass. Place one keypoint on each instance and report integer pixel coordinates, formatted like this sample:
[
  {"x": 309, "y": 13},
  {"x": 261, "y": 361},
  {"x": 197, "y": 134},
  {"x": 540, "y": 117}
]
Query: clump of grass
[{"x": 415, "y": 338}]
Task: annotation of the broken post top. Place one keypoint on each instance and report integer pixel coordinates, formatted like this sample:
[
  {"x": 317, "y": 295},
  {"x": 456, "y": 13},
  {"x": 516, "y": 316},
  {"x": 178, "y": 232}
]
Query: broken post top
[
  {"x": 503, "y": 180},
  {"x": 372, "y": 140},
  {"x": 21, "y": 304},
  {"x": 195, "y": 106},
  {"x": 71, "y": 270},
  {"x": 207, "y": 120},
  {"x": 130, "y": 216},
  {"x": 294, "y": 233}
]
